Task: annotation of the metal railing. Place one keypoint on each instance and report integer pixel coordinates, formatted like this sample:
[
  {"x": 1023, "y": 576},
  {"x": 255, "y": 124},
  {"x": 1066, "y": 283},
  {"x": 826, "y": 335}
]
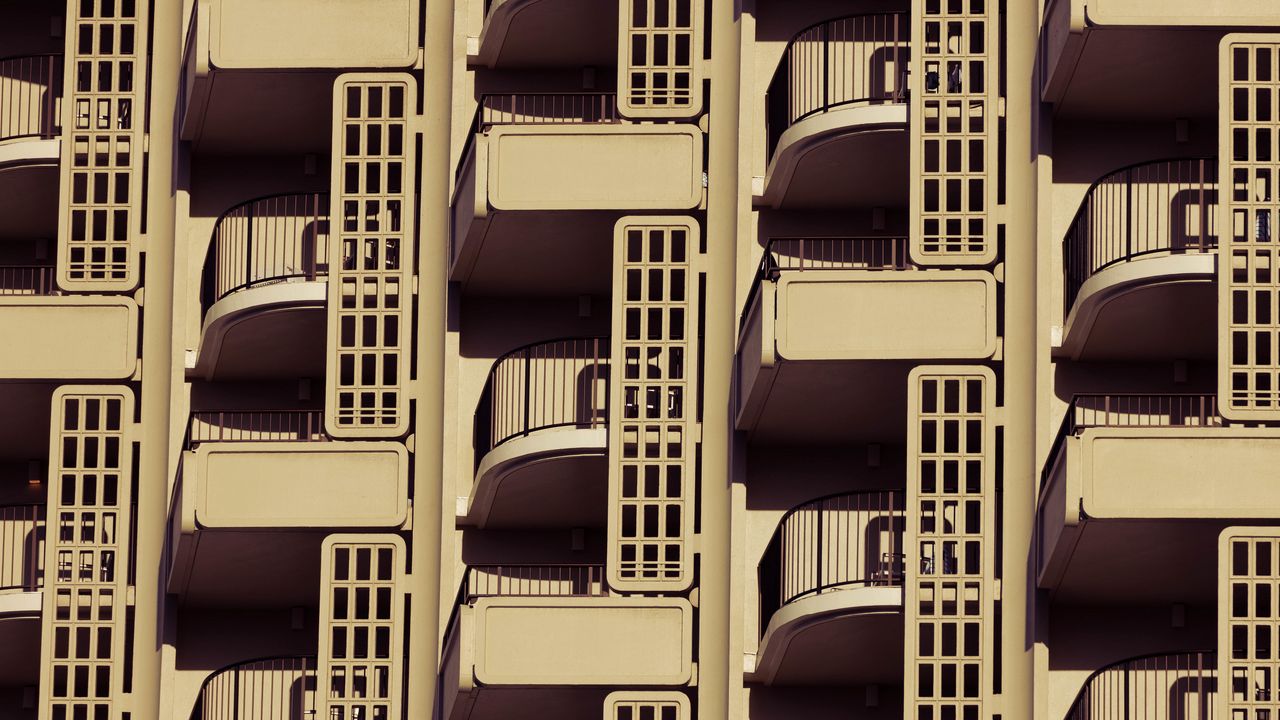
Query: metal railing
[
  {"x": 556, "y": 383},
  {"x": 1157, "y": 207},
  {"x": 267, "y": 240},
  {"x": 22, "y": 536},
  {"x": 255, "y": 426},
  {"x": 844, "y": 61},
  {"x": 30, "y": 96},
  {"x": 1174, "y": 686},
  {"x": 836, "y": 541},
  {"x": 27, "y": 280},
  {"x": 576, "y": 108},
  {"x": 827, "y": 253},
  {"x": 276, "y": 688}
]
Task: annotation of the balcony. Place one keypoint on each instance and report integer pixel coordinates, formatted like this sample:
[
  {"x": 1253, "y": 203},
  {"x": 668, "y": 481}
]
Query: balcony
[
  {"x": 1144, "y": 472},
  {"x": 515, "y": 34},
  {"x": 831, "y": 327},
  {"x": 539, "y": 189},
  {"x": 264, "y": 289},
  {"x": 1139, "y": 59},
  {"x": 279, "y": 688},
  {"x": 551, "y": 641},
  {"x": 255, "y": 495},
  {"x": 30, "y": 123},
  {"x": 831, "y": 593},
  {"x": 837, "y": 105},
  {"x": 541, "y": 438},
  {"x": 281, "y": 58},
  {"x": 22, "y": 538},
  {"x": 1179, "y": 686},
  {"x": 1139, "y": 264},
  {"x": 63, "y": 336}
]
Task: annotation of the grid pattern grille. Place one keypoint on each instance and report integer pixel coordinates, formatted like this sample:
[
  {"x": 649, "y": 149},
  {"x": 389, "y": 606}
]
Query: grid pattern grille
[
  {"x": 954, "y": 130},
  {"x": 651, "y": 437},
  {"x": 88, "y": 548},
  {"x": 950, "y": 497},
  {"x": 360, "y": 643},
  {"x": 101, "y": 172},
  {"x": 370, "y": 284},
  {"x": 660, "y": 63},
  {"x": 1248, "y": 623},
  {"x": 639, "y": 705},
  {"x": 1249, "y": 343}
]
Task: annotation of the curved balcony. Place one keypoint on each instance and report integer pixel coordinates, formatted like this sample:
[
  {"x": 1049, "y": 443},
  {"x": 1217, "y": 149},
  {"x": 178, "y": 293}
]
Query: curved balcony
[
  {"x": 1138, "y": 260},
  {"x": 540, "y": 438},
  {"x": 515, "y": 34},
  {"x": 22, "y": 538},
  {"x": 1170, "y": 686},
  {"x": 275, "y": 688},
  {"x": 256, "y": 493},
  {"x": 263, "y": 293},
  {"x": 830, "y": 593},
  {"x": 30, "y": 122},
  {"x": 837, "y": 105},
  {"x": 551, "y": 641}
]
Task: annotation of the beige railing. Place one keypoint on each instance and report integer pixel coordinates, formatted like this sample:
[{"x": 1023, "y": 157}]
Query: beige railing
[
  {"x": 30, "y": 96},
  {"x": 22, "y": 533},
  {"x": 280, "y": 688},
  {"x": 27, "y": 280},
  {"x": 1180, "y": 686},
  {"x": 256, "y": 426}
]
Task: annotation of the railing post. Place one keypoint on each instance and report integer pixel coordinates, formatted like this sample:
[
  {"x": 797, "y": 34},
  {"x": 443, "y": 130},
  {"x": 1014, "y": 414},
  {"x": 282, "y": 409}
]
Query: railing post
[
  {"x": 826, "y": 66},
  {"x": 248, "y": 244},
  {"x": 1125, "y": 702},
  {"x": 528, "y": 376},
  {"x": 235, "y": 694},
  {"x": 1128, "y": 213},
  {"x": 817, "y": 575}
]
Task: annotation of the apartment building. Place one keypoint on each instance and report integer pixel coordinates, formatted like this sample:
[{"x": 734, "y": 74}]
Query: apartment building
[{"x": 639, "y": 359}]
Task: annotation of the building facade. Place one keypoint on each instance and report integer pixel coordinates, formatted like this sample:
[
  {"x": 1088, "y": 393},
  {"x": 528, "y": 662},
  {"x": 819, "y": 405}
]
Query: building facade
[{"x": 639, "y": 359}]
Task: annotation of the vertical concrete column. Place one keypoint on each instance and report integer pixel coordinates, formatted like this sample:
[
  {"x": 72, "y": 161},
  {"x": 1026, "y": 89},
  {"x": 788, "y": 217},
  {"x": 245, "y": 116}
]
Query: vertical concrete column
[
  {"x": 433, "y": 265},
  {"x": 715, "y": 667},
  {"x": 157, "y": 358},
  {"x": 1020, "y": 357}
]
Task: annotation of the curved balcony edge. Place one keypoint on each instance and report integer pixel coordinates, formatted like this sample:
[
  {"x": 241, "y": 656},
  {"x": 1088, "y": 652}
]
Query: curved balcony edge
[{"x": 1111, "y": 691}]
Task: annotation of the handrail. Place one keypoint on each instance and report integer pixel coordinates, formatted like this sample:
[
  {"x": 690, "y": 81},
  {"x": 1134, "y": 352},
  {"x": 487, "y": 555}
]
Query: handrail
[
  {"x": 269, "y": 688},
  {"x": 255, "y": 426},
  {"x": 1150, "y": 687},
  {"x": 22, "y": 529},
  {"x": 269, "y": 239},
  {"x": 826, "y": 253},
  {"x": 846, "y": 60},
  {"x": 543, "y": 385},
  {"x": 30, "y": 95},
  {"x": 1156, "y": 206},
  {"x": 28, "y": 280},
  {"x": 835, "y": 541},
  {"x": 566, "y": 108},
  {"x": 1094, "y": 410}
]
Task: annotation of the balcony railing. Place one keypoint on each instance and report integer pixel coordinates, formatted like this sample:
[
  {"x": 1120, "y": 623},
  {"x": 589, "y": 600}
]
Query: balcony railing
[
  {"x": 833, "y": 542},
  {"x": 27, "y": 280},
  {"x": 552, "y": 384},
  {"x": 1165, "y": 207},
  {"x": 1178, "y": 686},
  {"x": 255, "y": 426},
  {"x": 30, "y": 96},
  {"x": 21, "y": 547},
  {"x": 278, "y": 688},
  {"x": 580, "y": 108},
  {"x": 845, "y": 61},
  {"x": 267, "y": 240},
  {"x": 827, "y": 253}
]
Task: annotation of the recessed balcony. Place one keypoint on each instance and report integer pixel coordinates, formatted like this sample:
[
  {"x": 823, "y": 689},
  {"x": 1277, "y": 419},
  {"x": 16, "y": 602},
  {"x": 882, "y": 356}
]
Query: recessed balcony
[
  {"x": 831, "y": 594},
  {"x": 1172, "y": 686},
  {"x": 539, "y": 190},
  {"x": 30, "y": 123},
  {"x": 256, "y": 493},
  {"x": 541, "y": 438},
  {"x": 1138, "y": 59},
  {"x": 1139, "y": 262},
  {"x": 515, "y": 34},
  {"x": 831, "y": 328},
  {"x": 545, "y": 642},
  {"x": 22, "y": 546},
  {"x": 264, "y": 290},
  {"x": 280, "y": 58},
  {"x": 277, "y": 688},
  {"x": 1145, "y": 473},
  {"x": 836, "y": 106}
]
